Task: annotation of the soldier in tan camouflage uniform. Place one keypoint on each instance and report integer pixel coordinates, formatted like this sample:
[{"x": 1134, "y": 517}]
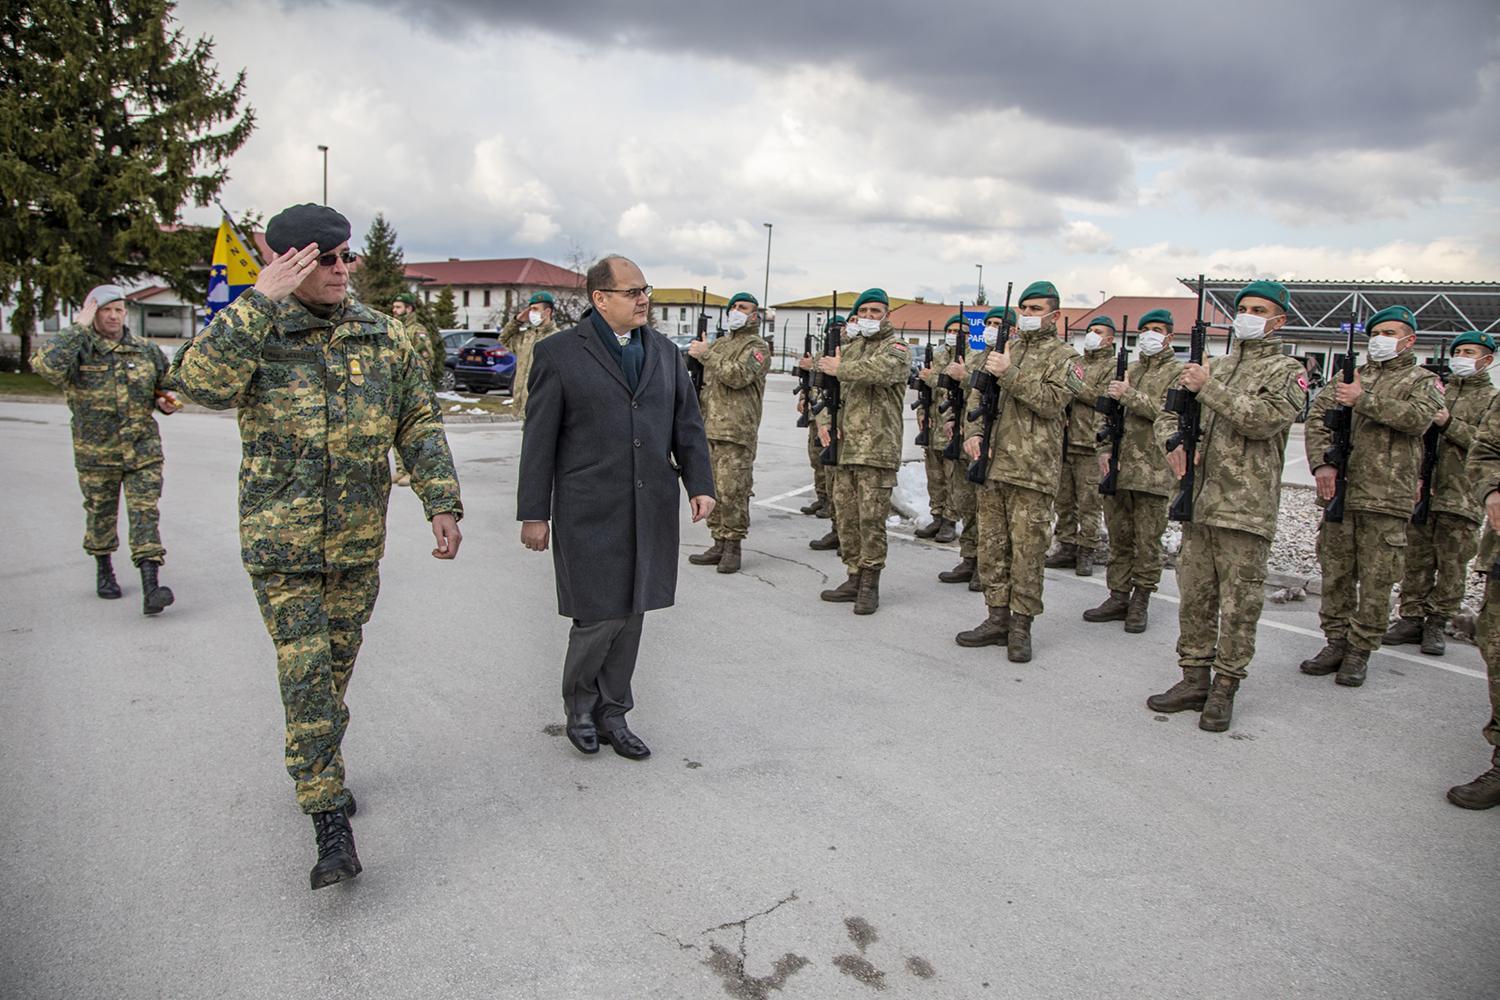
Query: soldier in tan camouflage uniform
[
  {"x": 963, "y": 496},
  {"x": 1394, "y": 401},
  {"x": 824, "y": 506},
  {"x": 1078, "y": 499},
  {"x": 734, "y": 388},
  {"x": 525, "y": 330},
  {"x": 113, "y": 380},
  {"x": 1483, "y": 470},
  {"x": 940, "y": 500},
  {"x": 324, "y": 388},
  {"x": 1037, "y": 374},
  {"x": 872, "y": 369},
  {"x": 428, "y": 344},
  {"x": 1438, "y": 552},
  {"x": 1250, "y": 398},
  {"x": 1137, "y": 514}
]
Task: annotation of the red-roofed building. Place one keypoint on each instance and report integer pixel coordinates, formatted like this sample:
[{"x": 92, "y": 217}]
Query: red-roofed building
[{"x": 487, "y": 292}]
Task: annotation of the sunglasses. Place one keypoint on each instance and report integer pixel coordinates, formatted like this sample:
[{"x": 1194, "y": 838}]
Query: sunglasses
[{"x": 328, "y": 259}]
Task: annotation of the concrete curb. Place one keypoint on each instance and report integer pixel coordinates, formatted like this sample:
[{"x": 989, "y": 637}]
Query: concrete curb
[
  {"x": 1278, "y": 580},
  {"x": 448, "y": 418}
]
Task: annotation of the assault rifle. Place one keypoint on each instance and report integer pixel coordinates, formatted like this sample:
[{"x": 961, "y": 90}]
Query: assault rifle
[
  {"x": 1431, "y": 438},
  {"x": 830, "y": 399},
  {"x": 1340, "y": 420},
  {"x": 1189, "y": 410},
  {"x": 924, "y": 394},
  {"x": 953, "y": 393},
  {"x": 694, "y": 366},
  {"x": 988, "y": 410},
  {"x": 1113, "y": 412}
]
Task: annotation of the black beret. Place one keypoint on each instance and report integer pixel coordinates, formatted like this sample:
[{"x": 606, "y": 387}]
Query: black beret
[{"x": 303, "y": 224}]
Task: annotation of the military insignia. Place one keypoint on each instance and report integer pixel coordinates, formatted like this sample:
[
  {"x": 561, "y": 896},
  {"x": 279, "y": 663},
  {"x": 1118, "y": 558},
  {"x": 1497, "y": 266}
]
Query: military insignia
[
  {"x": 1302, "y": 381},
  {"x": 1075, "y": 376},
  {"x": 759, "y": 357},
  {"x": 356, "y": 372},
  {"x": 898, "y": 345}
]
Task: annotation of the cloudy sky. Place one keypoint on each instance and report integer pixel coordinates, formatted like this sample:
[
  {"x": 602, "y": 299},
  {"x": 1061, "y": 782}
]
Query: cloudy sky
[{"x": 1109, "y": 147}]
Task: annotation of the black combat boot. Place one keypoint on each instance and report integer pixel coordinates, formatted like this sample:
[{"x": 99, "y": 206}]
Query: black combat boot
[
  {"x": 155, "y": 597},
  {"x": 729, "y": 562},
  {"x": 932, "y": 528},
  {"x": 1190, "y": 693},
  {"x": 1114, "y": 609},
  {"x": 1065, "y": 557},
  {"x": 1218, "y": 710},
  {"x": 1406, "y": 631},
  {"x": 337, "y": 859},
  {"x": 1135, "y": 617},
  {"x": 962, "y": 573},
  {"x": 844, "y": 593},
  {"x": 1085, "y": 563},
  {"x": 826, "y": 511},
  {"x": 827, "y": 542},
  {"x": 709, "y": 556},
  {"x": 1352, "y": 670},
  {"x": 1329, "y": 659},
  {"x": 1481, "y": 793},
  {"x": 815, "y": 507},
  {"x": 947, "y": 532},
  {"x": 1433, "y": 643},
  {"x": 867, "y": 598},
  {"x": 1018, "y": 641},
  {"x": 975, "y": 584},
  {"x": 105, "y": 585},
  {"x": 993, "y": 631}
]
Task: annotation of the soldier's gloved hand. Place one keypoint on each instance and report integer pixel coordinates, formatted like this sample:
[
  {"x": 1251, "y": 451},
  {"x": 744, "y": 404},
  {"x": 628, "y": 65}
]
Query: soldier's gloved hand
[
  {"x": 971, "y": 448},
  {"x": 1326, "y": 477},
  {"x": 534, "y": 535},
  {"x": 281, "y": 277},
  {"x": 445, "y": 530}
]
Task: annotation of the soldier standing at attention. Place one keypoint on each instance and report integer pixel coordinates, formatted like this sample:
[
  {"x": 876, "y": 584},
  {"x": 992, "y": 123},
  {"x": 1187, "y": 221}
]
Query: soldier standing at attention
[
  {"x": 1250, "y": 398},
  {"x": 872, "y": 370},
  {"x": 1438, "y": 552},
  {"x": 1137, "y": 514},
  {"x": 112, "y": 381},
  {"x": 939, "y": 486},
  {"x": 734, "y": 387},
  {"x": 428, "y": 344},
  {"x": 962, "y": 494},
  {"x": 1078, "y": 500},
  {"x": 822, "y": 506},
  {"x": 1394, "y": 402},
  {"x": 1037, "y": 374},
  {"x": 325, "y": 388},
  {"x": 526, "y": 329}
]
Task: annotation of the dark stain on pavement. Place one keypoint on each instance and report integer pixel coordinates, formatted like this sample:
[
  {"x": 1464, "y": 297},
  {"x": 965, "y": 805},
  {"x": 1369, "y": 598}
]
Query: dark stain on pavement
[
  {"x": 920, "y": 967},
  {"x": 556, "y": 729},
  {"x": 1159, "y": 718},
  {"x": 1241, "y": 735},
  {"x": 860, "y": 932},
  {"x": 730, "y": 967},
  {"x": 859, "y": 968},
  {"x": 23, "y": 420},
  {"x": 691, "y": 765}
]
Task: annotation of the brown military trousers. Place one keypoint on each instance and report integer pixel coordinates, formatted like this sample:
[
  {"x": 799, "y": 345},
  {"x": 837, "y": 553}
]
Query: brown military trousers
[
  {"x": 1078, "y": 501},
  {"x": 1437, "y": 566},
  {"x": 1221, "y": 577},
  {"x": 1361, "y": 560},
  {"x": 101, "y": 504},
  {"x": 317, "y": 622},
  {"x": 1136, "y": 521},
  {"x": 862, "y": 494},
  {"x": 963, "y": 505},
  {"x": 734, "y": 466},
  {"x": 1014, "y": 524},
  {"x": 937, "y": 482},
  {"x": 1487, "y": 633}
]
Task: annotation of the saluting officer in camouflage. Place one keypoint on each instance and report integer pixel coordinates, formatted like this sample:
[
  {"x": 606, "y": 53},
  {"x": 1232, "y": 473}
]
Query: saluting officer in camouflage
[
  {"x": 1361, "y": 558},
  {"x": 1484, "y": 473},
  {"x": 1438, "y": 552},
  {"x": 528, "y": 327},
  {"x": 734, "y": 388},
  {"x": 113, "y": 380},
  {"x": 939, "y": 430},
  {"x": 872, "y": 368},
  {"x": 963, "y": 496},
  {"x": 324, "y": 387},
  {"x": 824, "y": 506},
  {"x": 1137, "y": 514},
  {"x": 1250, "y": 398},
  {"x": 1078, "y": 500},
  {"x": 1038, "y": 374}
]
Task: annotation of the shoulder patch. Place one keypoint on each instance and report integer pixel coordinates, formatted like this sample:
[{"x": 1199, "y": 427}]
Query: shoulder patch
[
  {"x": 899, "y": 345},
  {"x": 1075, "y": 375},
  {"x": 1302, "y": 381}
]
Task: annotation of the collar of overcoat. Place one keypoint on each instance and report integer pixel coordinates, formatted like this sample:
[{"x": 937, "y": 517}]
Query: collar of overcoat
[{"x": 585, "y": 332}]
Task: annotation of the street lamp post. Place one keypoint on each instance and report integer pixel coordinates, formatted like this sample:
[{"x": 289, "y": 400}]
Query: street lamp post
[
  {"x": 980, "y": 297},
  {"x": 766, "y": 291},
  {"x": 324, "y": 151}
]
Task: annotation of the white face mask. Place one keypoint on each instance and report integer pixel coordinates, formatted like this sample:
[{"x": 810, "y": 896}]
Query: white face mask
[
  {"x": 1248, "y": 326},
  {"x": 1383, "y": 348},
  {"x": 1463, "y": 367},
  {"x": 735, "y": 319},
  {"x": 991, "y": 336},
  {"x": 867, "y": 327},
  {"x": 951, "y": 339},
  {"x": 1151, "y": 342},
  {"x": 534, "y": 317},
  {"x": 1092, "y": 341},
  {"x": 1029, "y": 324}
]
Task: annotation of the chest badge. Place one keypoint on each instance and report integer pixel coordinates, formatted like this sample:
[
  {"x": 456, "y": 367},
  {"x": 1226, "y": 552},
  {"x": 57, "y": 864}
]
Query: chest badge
[{"x": 356, "y": 372}]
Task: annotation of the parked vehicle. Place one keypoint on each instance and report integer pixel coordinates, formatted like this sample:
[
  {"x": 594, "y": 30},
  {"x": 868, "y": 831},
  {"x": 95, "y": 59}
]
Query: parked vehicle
[
  {"x": 452, "y": 341},
  {"x": 484, "y": 363}
]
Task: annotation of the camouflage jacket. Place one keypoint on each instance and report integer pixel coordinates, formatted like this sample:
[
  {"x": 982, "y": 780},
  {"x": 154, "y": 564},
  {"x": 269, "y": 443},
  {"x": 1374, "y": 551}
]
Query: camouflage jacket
[
  {"x": 321, "y": 404},
  {"x": 1027, "y": 448},
  {"x": 734, "y": 385},
  {"x": 1397, "y": 406},
  {"x": 111, "y": 390},
  {"x": 872, "y": 384},
  {"x": 521, "y": 341},
  {"x": 1143, "y": 461},
  {"x": 428, "y": 344},
  {"x": 1253, "y": 396},
  {"x": 937, "y": 430},
  {"x": 1467, "y": 400},
  {"x": 1483, "y": 470},
  {"x": 1083, "y": 419}
]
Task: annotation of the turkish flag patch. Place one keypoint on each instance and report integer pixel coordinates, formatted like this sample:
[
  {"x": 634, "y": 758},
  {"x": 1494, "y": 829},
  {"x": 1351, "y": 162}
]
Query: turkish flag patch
[
  {"x": 898, "y": 345},
  {"x": 759, "y": 356},
  {"x": 1302, "y": 381}
]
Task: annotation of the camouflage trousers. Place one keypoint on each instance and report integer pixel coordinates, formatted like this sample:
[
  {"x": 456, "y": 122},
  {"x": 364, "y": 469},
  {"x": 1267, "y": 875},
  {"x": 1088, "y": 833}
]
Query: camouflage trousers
[
  {"x": 317, "y": 622},
  {"x": 518, "y": 383},
  {"x": 822, "y": 474},
  {"x": 1014, "y": 525},
  {"x": 1487, "y": 634},
  {"x": 963, "y": 505},
  {"x": 1078, "y": 501},
  {"x": 101, "y": 504},
  {"x": 1221, "y": 577},
  {"x": 937, "y": 482},
  {"x": 733, "y": 466},
  {"x": 862, "y": 494},
  {"x": 1361, "y": 561},
  {"x": 1136, "y": 521},
  {"x": 1437, "y": 565}
]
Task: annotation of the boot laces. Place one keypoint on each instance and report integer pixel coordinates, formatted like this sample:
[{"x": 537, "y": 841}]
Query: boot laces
[{"x": 334, "y": 833}]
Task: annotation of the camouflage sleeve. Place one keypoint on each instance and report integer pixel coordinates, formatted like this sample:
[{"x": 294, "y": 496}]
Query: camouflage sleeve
[
  {"x": 941, "y": 358},
  {"x": 1483, "y": 465},
  {"x": 1163, "y": 427},
  {"x": 1141, "y": 404},
  {"x": 421, "y": 442},
  {"x": 1409, "y": 415},
  {"x": 1460, "y": 433},
  {"x": 1263, "y": 414},
  {"x": 1315, "y": 434},
  {"x": 57, "y": 360},
  {"x": 890, "y": 364},
  {"x": 438, "y": 354},
  {"x": 216, "y": 367},
  {"x": 1046, "y": 389},
  {"x": 972, "y": 426},
  {"x": 737, "y": 371},
  {"x": 508, "y": 334}
]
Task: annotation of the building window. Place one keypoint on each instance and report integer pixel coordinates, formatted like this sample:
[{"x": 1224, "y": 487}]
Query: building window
[
  {"x": 426, "y": 295},
  {"x": 466, "y": 298},
  {"x": 486, "y": 298},
  {"x": 684, "y": 313}
]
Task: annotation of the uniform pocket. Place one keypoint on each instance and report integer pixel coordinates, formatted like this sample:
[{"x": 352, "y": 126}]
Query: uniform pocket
[{"x": 1395, "y": 539}]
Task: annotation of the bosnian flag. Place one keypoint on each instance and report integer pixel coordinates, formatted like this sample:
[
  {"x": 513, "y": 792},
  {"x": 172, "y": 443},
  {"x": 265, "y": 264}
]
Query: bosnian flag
[{"x": 234, "y": 269}]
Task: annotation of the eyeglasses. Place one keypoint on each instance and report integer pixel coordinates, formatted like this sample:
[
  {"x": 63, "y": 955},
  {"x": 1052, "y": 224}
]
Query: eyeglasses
[
  {"x": 328, "y": 259},
  {"x": 631, "y": 293}
]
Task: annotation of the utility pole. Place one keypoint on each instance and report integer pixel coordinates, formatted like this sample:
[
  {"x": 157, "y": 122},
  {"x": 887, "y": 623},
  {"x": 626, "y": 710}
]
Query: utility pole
[
  {"x": 324, "y": 151},
  {"x": 980, "y": 297},
  {"x": 765, "y": 302}
]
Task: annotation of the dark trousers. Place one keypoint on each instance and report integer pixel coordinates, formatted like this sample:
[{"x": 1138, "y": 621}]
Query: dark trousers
[{"x": 598, "y": 668}]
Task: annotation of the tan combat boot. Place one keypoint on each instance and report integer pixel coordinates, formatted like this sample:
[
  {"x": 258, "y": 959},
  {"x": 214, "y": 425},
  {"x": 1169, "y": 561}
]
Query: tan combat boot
[
  {"x": 710, "y": 556},
  {"x": 1135, "y": 616},
  {"x": 1406, "y": 631},
  {"x": 946, "y": 532},
  {"x": 827, "y": 542},
  {"x": 1018, "y": 642},
  {"x": 976, "y": 585},
  {"x": 993, "y": 631},
  {"x": 844, "y": 593},
  {"x": 1329, "y": 659},
  {"x": 1187, "y": 694},
  {"x": 1352, "y": 670},
  {"x": 1481, "y": 793},
  {"x": 1085, "y": 563},
  {"x": 962, "y": 573},
  {"x": 867, "y": 598},
  {"x": 729, "y": 562},
  {"x": 1433, "y": 643},
  {"x": 1218, "y": 710},
  {"x": 1114, "y": 608},
  {"x": 1066, "y": 556},
  {"x": 932, "y": 528}
]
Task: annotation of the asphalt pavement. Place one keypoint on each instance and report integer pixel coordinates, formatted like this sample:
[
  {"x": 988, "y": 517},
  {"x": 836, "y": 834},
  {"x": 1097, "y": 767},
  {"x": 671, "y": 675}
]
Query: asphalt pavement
[{"x": 836, "y": 807}]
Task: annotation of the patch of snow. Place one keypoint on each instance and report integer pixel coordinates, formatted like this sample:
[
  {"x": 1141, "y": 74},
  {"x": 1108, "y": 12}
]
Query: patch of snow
[
  {"x": 909, "y": 498},
  {"x": 447, "y": 394}
]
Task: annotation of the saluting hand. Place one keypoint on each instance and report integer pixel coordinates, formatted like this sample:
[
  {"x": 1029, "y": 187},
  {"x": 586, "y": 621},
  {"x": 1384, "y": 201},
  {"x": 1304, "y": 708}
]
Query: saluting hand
[
  {"x": 281, "y": 277},
  {"x": 445, "y": 530},
  {"x": 85, "y": 314},
  {"x": 1348, "y": 393}
]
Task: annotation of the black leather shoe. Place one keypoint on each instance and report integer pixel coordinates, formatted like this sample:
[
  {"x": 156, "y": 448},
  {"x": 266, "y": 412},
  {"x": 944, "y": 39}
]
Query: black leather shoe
[
  {"x": 583, "y": 734},
  {"x": 625, "y": 743},
  {"x": 106, "y": 586},
  {"x": 337, "y": 859}
]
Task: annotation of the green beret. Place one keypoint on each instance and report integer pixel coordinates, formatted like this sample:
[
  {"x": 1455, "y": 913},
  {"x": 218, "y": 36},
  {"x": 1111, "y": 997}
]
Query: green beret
[
  {"x": 955, "y": 318},
  {"x": 541, "y": 298},
  {"x": 872, "y": 295},
  {"x": 1274, "y": 291},
  {"x": 834, "y": 320},
  {"x": 1484, "y": 340},
  {"x": 406, "y": 297},
  {"x": 1100, "y": 321},
  {"x": 1001, "y": 313},
  {"x": 1155, "y": 316},
  {"x": 1399, "y": 313},
  {"x": 744, "y": 297},
  {"x": 1039, "y": 290}
]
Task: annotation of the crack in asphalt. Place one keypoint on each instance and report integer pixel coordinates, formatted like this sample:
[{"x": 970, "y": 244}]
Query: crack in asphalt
[{"x": 794, "y": 562}]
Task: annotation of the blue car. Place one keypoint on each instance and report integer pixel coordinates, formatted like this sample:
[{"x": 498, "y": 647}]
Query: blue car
[{"x": 484, "y": 364}]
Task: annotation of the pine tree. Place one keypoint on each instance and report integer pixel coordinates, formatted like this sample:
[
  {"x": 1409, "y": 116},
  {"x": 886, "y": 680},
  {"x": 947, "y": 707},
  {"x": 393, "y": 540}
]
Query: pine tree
[
  {"x": 444, "y": 311},
  {"x": 110, "y": 120},
  {"x": 381, "y": 274}
]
